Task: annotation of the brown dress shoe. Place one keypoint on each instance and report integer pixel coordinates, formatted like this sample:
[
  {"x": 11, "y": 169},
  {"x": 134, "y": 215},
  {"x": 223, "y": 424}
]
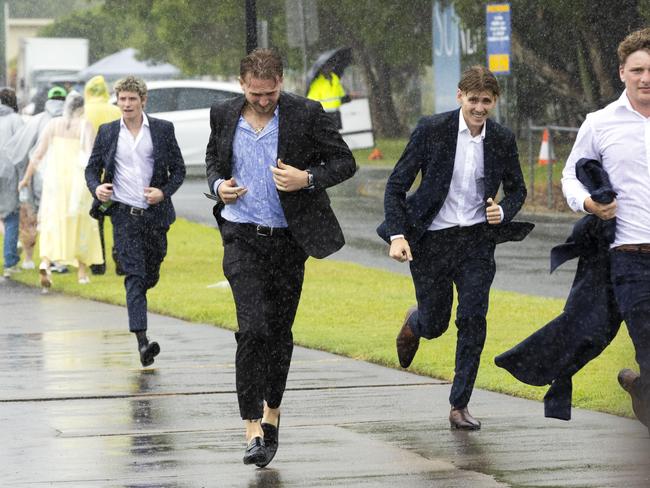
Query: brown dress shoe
[
  {"x": 626, "y": 378},
  {"x": 407, "y": 342},
  {"x": 460, "y": 418}
]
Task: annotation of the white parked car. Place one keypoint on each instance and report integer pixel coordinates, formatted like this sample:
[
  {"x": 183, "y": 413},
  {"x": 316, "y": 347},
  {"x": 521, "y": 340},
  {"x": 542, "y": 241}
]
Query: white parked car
[{"x": 187, "y": 104}]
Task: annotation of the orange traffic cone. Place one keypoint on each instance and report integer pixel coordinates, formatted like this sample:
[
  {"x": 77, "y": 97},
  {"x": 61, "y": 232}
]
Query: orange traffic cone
[
  {"x": 375, "y": 154},
  {"x": 545, "y": 156}
]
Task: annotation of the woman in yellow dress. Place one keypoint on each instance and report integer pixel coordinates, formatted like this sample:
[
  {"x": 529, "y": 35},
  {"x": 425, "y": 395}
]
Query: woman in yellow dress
[{"x": 67, "y": 233}]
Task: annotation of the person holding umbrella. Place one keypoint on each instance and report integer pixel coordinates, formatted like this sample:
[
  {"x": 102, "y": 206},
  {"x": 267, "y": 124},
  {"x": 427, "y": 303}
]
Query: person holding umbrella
[{"x": 325, "y": 86}]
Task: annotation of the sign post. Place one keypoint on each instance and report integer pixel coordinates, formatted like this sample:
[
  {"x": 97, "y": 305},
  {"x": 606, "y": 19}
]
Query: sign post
[{"x": 497, "y": 29}]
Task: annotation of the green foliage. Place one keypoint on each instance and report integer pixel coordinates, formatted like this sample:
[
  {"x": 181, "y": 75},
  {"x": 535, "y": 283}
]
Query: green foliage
[
  {"x": 106, "y": 33},
  {"x": 564, "y": 53},
  {"x": 356, "y": 311}
]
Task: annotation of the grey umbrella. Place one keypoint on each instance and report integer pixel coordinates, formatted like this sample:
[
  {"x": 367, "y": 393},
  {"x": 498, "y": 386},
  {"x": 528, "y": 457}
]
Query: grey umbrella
[{"x": 340, "y": 58}]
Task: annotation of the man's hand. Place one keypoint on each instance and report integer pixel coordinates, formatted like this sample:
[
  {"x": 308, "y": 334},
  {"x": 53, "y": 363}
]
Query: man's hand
[
  {"x": 604, "y": 211},
  {"x": 229, "y": 192},
  {"x": 400, "y": 250},
  {"x": 288, "y": 178},
  {"x": 104, "y": 192},
  {"x": 493, "y": 212},
  {"x": 153, "y": 195}
]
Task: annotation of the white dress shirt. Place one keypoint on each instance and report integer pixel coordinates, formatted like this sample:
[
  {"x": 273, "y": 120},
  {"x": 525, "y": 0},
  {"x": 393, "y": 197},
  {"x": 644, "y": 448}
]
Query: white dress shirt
[
  {"x": 133, "y": 165},
  {"x": 464, "y": 205},
  {"x": 619, "y": 137}
]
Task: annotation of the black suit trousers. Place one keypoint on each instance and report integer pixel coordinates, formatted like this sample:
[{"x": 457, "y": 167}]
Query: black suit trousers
[
  {"x": 461, "y": 256},
  {"x": 140, "y": 244},
  {"x": 265, "y": 273},
  {"x": 630, "y": 274}
]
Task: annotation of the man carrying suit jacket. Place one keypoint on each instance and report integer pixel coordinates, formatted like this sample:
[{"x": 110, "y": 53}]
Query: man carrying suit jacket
[
  {"x": 447, "y": 228},
  {"x": 269, "y": 159},
  {"x": 134, "y": 169},
  {"x": 618, "y": 137}
]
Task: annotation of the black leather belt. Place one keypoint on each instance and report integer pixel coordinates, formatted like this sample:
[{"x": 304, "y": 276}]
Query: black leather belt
[
  {"x": 138, "y": 212},
  {"x": 262, "y": 230}
]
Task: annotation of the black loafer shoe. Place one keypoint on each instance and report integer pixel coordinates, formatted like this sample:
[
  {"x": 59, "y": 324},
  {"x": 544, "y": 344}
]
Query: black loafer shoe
[
  {"x": 271, "y": 440},
  {"x": 255, "y": 451},
  {"x": 148, "y": 352}
]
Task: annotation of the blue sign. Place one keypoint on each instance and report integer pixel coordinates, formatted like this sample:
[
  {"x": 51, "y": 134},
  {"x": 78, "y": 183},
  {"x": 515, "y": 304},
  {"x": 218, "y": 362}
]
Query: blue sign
[
  {"x": 497, "y": 28},
  {"x": 446, "y": 58}
]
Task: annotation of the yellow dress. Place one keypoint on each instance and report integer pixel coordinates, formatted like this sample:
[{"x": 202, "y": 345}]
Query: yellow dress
[{"x": 68, "y": 235}]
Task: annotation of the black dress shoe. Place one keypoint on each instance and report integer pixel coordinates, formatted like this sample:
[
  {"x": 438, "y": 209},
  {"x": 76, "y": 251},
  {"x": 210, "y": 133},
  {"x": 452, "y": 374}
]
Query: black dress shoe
[
  {"x": 460, "y": 418},
  {"x": 271, "y": 441},
  {"x": 407, "y": 342},
  {"x": 255, "y": 451},
  {"x": 148, "y": 352}
]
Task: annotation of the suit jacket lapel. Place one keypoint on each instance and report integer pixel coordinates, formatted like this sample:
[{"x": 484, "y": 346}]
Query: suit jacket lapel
[
  {"x": 229, "y": 126},
  {"x": 489, "y": 157},
  {"x": 113, "y": 136},
  {"x": 155, "y": 139},
  {"x": 285, "y": 129}
]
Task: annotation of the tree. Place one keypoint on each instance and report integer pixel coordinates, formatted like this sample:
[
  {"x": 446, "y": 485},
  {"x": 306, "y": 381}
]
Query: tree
[
  {"x": 391, "y": 41},
  {"x": 564, "y": 53},
  {"x": 104, "y": 32}
]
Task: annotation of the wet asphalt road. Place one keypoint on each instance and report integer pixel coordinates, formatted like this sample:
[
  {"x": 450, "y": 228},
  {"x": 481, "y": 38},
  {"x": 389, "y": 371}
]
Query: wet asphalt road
[
  {"x": 76, "y": 410},
  {"x": 521, "y": 266}
]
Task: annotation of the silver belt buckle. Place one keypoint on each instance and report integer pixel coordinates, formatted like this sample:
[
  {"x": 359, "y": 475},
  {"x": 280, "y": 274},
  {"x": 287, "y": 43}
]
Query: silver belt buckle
[
  {"x": 136, "y": 211},
  {"x": 264, "y": 231}
]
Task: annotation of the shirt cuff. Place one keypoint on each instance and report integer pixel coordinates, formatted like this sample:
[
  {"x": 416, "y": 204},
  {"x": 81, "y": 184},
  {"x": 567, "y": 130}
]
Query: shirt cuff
[
  {"x": 215, "y": 187},
  {"x": 396, "y": 236},
  {"x": 501, "y": 210}
]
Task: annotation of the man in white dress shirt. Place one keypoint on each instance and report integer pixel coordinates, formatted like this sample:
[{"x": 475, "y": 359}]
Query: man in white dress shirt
[
  {"x": 134, "y": 169},
  {"x": 448, "y": 227},
  {"x": 619, "y": 137}
]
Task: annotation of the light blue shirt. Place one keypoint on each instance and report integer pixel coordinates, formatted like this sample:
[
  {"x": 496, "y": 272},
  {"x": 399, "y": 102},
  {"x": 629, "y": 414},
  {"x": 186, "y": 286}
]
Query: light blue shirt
[{"x": 253, "y": 154}]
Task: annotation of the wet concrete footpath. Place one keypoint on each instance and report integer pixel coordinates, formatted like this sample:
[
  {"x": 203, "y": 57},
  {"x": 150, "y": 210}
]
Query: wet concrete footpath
[{"x": 77, "y": 410}]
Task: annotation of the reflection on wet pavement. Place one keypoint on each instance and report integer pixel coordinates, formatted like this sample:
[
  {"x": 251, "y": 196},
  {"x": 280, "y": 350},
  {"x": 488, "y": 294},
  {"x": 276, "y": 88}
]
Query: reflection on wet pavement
[{"x": 76, "y": 410}]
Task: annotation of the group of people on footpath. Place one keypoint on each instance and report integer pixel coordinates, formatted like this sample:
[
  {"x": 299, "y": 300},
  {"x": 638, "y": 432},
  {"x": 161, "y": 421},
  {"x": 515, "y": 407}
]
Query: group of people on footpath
[
  {"x": 48, "y": 156},
  {"x": 270, "y": 158}
]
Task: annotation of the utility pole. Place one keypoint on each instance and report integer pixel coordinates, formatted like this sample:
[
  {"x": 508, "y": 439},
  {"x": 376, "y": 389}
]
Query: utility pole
[
  {"x": 3, "y": 42},
  {"x": 251, "y": 26}
]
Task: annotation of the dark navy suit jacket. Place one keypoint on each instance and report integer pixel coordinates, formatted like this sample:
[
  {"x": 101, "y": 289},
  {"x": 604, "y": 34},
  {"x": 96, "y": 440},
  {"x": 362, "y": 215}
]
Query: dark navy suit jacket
[
  {"x": 168, "y": 170},
  {"x": 307, "y": 138},
  {"x": 432, "y": 151},
  {"x": 590, "y": 319}
]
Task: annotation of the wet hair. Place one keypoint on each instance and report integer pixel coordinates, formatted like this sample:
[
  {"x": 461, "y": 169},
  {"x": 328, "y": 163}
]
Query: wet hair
[
  {"x": 636, "y": 41},
  {"x": 478, "y": 78},
  {"x": 131, "y": 84},
  {"x": 264, "y": 64},
  {"x": 8, "y": 98},
  {"x": 73, "y": 104}
]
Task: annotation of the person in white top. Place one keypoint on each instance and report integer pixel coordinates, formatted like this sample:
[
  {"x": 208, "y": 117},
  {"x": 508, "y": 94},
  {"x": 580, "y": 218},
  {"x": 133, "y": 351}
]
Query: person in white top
[
  {"x": 448, "y": 227},
  {"x": 134, "y": 169},
  {"x": 619, "y": 137}
]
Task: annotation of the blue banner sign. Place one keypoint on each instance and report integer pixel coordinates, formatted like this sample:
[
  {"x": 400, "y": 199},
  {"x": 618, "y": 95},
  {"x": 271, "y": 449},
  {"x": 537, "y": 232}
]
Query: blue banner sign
[{"x": 446, "y": 57}]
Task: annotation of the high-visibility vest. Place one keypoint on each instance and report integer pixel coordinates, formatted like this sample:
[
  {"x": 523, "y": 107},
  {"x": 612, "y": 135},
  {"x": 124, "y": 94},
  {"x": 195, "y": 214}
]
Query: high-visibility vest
[{"x": 328, "y": 92}]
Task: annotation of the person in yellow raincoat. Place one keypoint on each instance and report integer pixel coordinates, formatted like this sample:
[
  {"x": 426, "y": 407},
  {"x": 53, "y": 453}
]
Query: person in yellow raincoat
[
  {"x": 99, "y": 111},
  {"x": 328, "y": 90}
]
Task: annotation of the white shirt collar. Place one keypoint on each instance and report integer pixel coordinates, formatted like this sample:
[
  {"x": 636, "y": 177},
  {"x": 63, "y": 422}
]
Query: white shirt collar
[
  {"x": 462, "y": 126},
  {"x": 145, "y": 121}
]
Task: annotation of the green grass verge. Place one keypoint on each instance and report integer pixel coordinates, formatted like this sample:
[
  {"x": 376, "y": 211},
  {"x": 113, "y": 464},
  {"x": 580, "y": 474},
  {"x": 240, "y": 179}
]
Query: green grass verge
[
  {"x": 391, "y": 149},
  {"x": 356, "y": 311}
]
